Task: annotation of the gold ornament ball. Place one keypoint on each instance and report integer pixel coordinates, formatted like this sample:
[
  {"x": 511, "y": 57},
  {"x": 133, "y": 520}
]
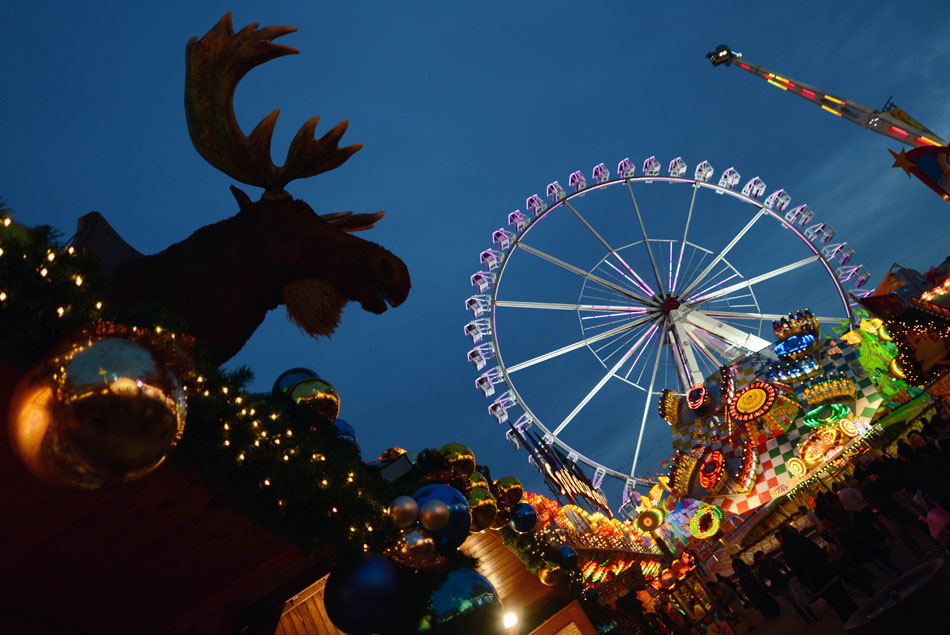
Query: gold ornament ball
[
  {"x": 320, "y": 396},
  {"x": 458, "y": 458},
  {"x": 508, "y": 491},
  {"x": 550, "y": 575},
  {"x": 478, "y": 480},
  {"x": 434, "y": 514},
  {"x": 501, "y": 519},
  {"x": 484, "y": 509},
  {"x": 99, "y": 412}
]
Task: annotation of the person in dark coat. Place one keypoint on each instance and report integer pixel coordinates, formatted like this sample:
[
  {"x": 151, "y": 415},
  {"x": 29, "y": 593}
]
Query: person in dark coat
[
  {"x": 811, "y": 566},
  {"x": 778, "y": 581},
  {"x": 754, "y": 590}
]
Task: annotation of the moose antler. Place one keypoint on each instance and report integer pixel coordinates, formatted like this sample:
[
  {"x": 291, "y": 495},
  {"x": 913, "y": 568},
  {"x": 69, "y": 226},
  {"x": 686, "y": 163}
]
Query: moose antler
[{"x": 214, "y": 66}]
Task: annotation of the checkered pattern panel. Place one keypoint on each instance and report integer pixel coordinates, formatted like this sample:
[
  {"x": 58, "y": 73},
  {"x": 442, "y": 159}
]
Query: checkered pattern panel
[{"x": 776, "y": 451}]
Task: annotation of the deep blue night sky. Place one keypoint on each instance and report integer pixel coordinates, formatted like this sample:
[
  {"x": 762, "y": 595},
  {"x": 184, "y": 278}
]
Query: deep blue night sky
[{"x": 463, "y": 112}]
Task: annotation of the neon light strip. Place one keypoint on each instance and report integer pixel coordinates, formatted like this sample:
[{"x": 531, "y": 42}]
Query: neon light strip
[
  {"x": 927, "y": 141},
  {"x": 774, "y": 83},
  {"x": 898, "y": 132},
  {"x": 837, "y": 101},
  {"x": 807, "y": 93},
  {"x": 831, "y": 110}
]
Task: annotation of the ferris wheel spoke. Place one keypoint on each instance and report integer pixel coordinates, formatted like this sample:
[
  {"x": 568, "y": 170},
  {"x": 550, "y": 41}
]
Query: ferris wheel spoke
[
  {"x": 602, "y": 308},
  {"x": 646, "y": 409},
  {"x": 590, "y": 276},
  {"x": 646, "y": 241},
  {"x": 755, "y": 280},
  {"x": 637, "y": 360},
  {"x": 708, "y": 289},
  {"x": 603, "y": 381},
  {"x": 579, "y": 344},
  {"x": 687, "y": 365},
  {"x": 722, "y": 254},
  {"x": 736, "y": 338},
  {"x": 623, "y": 263},
  {"x": 698, "y": 342},
  {"x": 689, "y": 217},
  {"x": 763, "y": 316}
]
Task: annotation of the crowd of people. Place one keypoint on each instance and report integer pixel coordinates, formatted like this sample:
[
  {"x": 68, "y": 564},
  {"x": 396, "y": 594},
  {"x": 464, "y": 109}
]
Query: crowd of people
[{"x": 855, "y": 526}]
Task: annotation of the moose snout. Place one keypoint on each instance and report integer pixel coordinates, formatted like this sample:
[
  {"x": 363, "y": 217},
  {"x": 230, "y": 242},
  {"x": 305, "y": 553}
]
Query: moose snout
[{"x": 389, "y": 276}]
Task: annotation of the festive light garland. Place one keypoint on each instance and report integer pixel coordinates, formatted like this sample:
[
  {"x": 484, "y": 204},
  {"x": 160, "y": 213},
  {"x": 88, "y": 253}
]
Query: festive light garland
[{"x": 649, "y": 520}]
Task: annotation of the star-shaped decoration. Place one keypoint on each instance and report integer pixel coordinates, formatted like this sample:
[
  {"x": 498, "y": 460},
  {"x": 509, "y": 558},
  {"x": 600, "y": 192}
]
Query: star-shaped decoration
[{"x": 901, "y": 161}]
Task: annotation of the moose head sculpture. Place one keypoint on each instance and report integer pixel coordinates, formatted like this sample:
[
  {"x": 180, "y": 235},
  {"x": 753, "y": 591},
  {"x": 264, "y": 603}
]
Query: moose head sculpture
[{"x": 225, "y": 277}]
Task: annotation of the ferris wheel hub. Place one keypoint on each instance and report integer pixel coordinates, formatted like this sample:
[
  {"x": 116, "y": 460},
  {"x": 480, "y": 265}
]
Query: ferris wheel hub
[{"x": 671, "y": 303}]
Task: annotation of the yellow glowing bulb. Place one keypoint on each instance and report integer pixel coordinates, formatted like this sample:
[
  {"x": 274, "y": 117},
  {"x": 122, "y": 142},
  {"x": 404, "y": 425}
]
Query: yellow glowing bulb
[
  {"x": 333, "y": 509},
  {"x": 60, "y": 311},
  {"x": 158, "y": 329},
  {"x": 267, "y": 481},
  {"x": 238, "y": 400},
  {"x": 3, "y": 296},
  {"x": 241, "y": 456},
  {"x": 324, "y": 482},
  {"x": 51, "y": 256},
  {"x": 98, "y": 305},
  {"x": 71, "y": 250},
  {"x": 226, "y": 442},
  {"x": 286, "y": 458},
  {"x": 78, "y": 281},
  {"x": 6, "y": 222},
  {"x": 44, "y": 271}
]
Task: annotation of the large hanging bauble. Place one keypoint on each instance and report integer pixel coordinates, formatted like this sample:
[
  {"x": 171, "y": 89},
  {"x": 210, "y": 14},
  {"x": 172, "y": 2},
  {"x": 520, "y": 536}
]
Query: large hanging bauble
[
  {"x": 568, "y": 557},
  {"x": 417, "y": 544},
  {"x": 363, "y": 595},
  {"x": 501, "y": 519},
  {"x": 465, "y": 604},
  {"x": 508, "y": 491},
  {"x": 483, "y": 507},
  {"x": 403, "y": 510},
  {"x": 344, "y": 431},
  {"x": 459, "y": 459},
  {"x": 550, "y": 575},
  {"x": 478, "y": 480},
  {"x": 456, "y": 530},
  {"x": 288, "y": 379},
  {"x": 523, "y": 518},
  {"x": 319, "y": 395},
  {"x": 434, "y": 515},
  {"x": 98, "y": 412}
]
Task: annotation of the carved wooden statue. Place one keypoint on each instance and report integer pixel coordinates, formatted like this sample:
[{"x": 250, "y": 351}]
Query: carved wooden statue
[{"x": 225, "y": 277}]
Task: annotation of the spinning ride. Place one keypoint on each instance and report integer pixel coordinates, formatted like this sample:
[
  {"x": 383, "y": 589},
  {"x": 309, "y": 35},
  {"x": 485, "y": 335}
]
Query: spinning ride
[{"x": 656, "y": 302}]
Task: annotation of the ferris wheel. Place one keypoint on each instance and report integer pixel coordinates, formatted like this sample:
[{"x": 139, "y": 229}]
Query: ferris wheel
[{"x": 654, "y": 310}]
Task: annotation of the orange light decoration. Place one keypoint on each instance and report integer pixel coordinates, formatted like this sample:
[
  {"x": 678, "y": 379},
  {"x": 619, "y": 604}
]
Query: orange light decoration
[
  {"x": 752, "y": 401},
  {"x": 834, "y": 99},
  {"x": 710, "y": 473},
  {"x": 831, "y": 110},
  {"x": 796, "y": 467}
]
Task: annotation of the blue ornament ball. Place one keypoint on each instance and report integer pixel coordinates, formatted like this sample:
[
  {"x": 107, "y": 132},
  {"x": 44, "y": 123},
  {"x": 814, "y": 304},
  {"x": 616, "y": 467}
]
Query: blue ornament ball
[
  {"x": 345, "y": 431},
  {"x": 523, "y": 518},
  {"x": 454, "y": 532},
  {"x": 568, "y": 557},
  {"x": 370, "y": 580},
  {"x": 288, "y": 379},
  {"x": 465, "y": 603},
  {"x": 591, "y": 594}
]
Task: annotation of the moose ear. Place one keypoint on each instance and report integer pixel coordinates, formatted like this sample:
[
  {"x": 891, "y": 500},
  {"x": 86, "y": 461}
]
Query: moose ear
[{"x": 243, "y": 200}]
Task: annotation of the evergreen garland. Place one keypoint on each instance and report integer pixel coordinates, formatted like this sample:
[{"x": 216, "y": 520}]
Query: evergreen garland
[{"x": 268, "y": 459}]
